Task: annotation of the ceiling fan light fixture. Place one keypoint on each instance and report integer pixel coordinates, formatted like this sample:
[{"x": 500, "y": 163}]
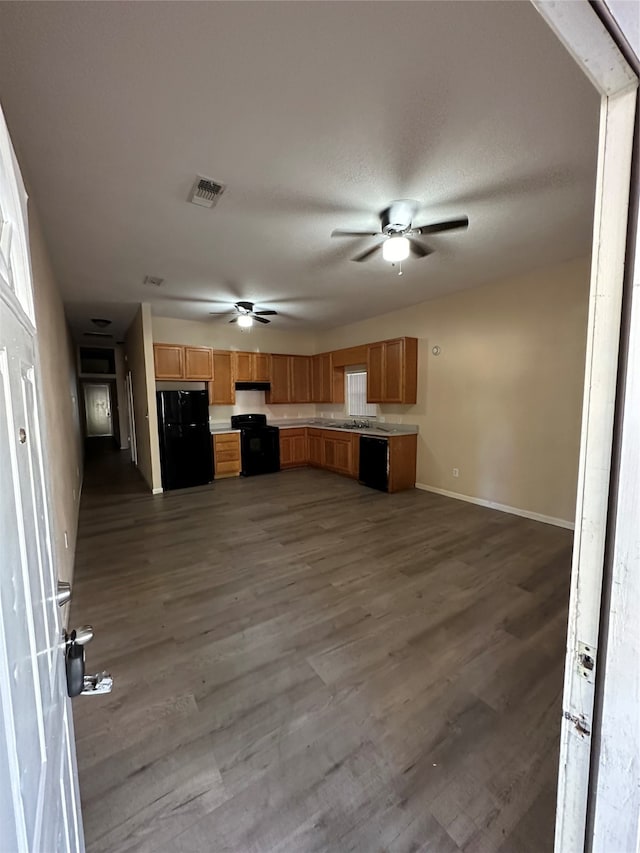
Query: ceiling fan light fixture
[
  {"x": 245, "y": 321},
  {"x": 396, "y": 249}
]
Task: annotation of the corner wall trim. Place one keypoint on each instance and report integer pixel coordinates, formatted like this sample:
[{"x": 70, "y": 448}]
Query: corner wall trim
[
  {"x": 525, "y": 513},
  {"x": 157, "y": 491}
]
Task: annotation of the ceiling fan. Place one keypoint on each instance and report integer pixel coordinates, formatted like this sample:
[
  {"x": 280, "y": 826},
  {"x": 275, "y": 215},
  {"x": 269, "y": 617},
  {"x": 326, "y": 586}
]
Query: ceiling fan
[
  {"x": 399, "y": 233},
  {"x": 245, "y": 315}
]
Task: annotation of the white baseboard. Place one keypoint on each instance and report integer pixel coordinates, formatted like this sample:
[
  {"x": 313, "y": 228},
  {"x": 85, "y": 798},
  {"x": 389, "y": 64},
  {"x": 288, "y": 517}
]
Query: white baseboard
[
  {"x": 513, "y": 510},
  {"x": 157, "y": 491}
]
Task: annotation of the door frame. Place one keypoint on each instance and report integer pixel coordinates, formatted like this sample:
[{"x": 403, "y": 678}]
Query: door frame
[
  {"x": 582, "y": 32},
  {"x": 110, "y": 384}
]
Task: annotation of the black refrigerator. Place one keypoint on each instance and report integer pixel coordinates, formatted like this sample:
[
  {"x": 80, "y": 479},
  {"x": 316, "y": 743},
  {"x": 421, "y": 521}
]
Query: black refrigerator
[{"x": 186, "y": 453}]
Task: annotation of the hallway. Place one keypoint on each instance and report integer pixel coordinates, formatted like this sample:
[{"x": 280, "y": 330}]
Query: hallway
[{"x": 303, "y": 664}]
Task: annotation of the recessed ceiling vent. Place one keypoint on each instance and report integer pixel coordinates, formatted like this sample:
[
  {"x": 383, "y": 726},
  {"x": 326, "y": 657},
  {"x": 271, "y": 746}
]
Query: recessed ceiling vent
[
  {"x": 206, "y": 192},
  {"x": 153, "y": 280},
  {"x": 96, "y": 335}
]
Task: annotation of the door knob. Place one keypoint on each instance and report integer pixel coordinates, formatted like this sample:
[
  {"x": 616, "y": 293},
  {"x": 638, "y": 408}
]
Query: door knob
[
  {"x": 83, "y": 635},
  {"x": 63, "y": 593},
  {"x": 74, "y": 664}
]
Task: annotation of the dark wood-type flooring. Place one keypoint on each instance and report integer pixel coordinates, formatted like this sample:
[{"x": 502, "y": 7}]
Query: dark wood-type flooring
[{"x": 304, "y": 664}]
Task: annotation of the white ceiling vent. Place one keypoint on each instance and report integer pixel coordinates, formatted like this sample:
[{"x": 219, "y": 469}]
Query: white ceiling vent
[{"x": 206, "y": 192}]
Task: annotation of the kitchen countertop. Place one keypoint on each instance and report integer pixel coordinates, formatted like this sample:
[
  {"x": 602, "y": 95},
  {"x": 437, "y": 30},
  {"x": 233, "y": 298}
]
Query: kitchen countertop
[{"x": 382, "y": 430}]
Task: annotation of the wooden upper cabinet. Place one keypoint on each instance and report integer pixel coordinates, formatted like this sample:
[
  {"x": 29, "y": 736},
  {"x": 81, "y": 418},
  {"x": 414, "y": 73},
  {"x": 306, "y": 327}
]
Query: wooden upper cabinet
[
  {"x": 242, "y": 361},
  {"x": 174, "y": 361},
  {"x": 252, "y": 366},
  {"x": 261, "y": 366},
  {"x": 375, "y": 373},
  {"x": 392, "y": 371},
  {"x": 169, "y": 361},
  {"x": 280, "y": 383},
  {"x": 222, "y": 391},
  {"x": 197, "y": 363},
  {"x": 321, "y": 378},
  {"x": 300, "y": 378}
]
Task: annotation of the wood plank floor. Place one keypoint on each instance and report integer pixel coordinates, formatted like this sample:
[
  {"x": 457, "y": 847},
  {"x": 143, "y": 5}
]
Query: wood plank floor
[{"x": 304, "y": 664}]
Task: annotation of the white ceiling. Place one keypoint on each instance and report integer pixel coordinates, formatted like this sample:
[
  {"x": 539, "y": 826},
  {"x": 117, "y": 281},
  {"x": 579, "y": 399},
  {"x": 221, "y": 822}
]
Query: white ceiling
[{"x": 315, "y": 115}]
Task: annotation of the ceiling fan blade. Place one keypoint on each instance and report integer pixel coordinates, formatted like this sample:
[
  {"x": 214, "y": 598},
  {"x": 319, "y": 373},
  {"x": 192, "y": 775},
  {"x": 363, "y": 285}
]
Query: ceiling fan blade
[
  {"x": 366, "y": 255},
  {"x": 235, "y": 320},
  {"x": 261, "y": 319},
  {"x": 338, "y": 232},
  {"x": 264, "y": 313},
  {"x": 438, "y": 227},
  {"x": 419, "y": 249}
]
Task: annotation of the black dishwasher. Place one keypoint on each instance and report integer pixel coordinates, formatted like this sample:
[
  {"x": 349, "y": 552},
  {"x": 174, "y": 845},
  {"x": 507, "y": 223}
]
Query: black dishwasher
[{"x": 374, "y": 462}]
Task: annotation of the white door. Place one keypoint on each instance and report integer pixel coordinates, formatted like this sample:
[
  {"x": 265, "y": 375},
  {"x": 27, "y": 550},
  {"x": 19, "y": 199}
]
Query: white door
[
  {"x": 97, "y": 408},
  {"x": 39, "y": 802}
]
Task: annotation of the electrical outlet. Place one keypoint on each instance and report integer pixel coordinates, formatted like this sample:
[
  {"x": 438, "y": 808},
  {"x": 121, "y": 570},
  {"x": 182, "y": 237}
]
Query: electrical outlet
[{"x": 456, "y": 472}]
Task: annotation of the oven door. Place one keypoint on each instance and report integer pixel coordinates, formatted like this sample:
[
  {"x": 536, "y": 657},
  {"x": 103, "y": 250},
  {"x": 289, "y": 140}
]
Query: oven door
[{"x": 260, "y": 451}]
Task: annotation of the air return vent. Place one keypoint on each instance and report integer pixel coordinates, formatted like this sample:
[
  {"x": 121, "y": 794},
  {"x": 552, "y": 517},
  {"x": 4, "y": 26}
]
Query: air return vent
[
  {"x": 206, "y": 192},
  {"x": 96, "y": 335},
  {"x": 153, "y": 280}
]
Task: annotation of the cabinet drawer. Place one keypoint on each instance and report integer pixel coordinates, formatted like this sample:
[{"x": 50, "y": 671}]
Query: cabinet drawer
[
  {"x": 230, "y": 454},
  {"x": 227, "y": 438},
  {"x": 227, "y": 469}
]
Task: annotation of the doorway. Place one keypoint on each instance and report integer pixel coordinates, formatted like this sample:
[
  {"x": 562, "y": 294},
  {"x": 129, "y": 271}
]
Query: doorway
[{"x": 98, "y": 409}]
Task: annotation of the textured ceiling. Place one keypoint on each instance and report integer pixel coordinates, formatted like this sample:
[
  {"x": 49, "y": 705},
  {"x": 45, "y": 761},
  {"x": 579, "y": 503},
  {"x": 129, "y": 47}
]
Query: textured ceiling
[{"x": 315, "y": 115}]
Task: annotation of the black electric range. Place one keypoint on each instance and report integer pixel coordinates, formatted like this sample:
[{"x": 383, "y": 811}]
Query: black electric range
[{"x": 259, "y": 444}]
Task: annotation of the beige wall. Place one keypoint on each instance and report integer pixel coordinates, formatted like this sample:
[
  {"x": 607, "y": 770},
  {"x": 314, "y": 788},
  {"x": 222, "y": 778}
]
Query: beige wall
[
  {"x": 59, "y": 395},
  {"x": 139, "y": 360},
  {"x": 502, "y": 402},
  {"x": 220, "y": 334}
]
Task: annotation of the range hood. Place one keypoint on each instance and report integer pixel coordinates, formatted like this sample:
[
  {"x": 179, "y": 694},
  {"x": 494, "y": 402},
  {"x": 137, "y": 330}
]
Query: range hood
[{"x": 253, "y": 386}]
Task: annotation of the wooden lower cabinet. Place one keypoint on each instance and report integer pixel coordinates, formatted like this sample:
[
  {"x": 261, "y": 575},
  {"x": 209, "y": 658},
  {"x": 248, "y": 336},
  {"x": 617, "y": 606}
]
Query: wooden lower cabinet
[
  {"x": 338, "y": 449},
  {"x": 293, "y": 448},
  {"x": 226, "y": 455},
  {"x": 402, "y": 462},
  {"x": 315, "y": 447},
  {"x": 340, "y": 452}
]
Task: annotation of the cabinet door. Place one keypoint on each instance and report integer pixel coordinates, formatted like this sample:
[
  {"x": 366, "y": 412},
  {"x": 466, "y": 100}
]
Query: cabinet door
[
  {"x": 393, "y": 384},
  {"x": 321, "y": 378},
  {"x": 342, "y": 461},
  {"x": 316, "y": 379},
  {"x": 221, "y": 390},
  {"x": 280, "y": 386},
  {"x": 286, "y": 454},
  {"x": 329, "y": 452},
  {"x": 169, "y": 361},
  {"x": 299, "y": 449},
  {"x": 375, "y": 373},
  {"x": 315, "y": 447},
  {"x": 300, "y": 379},
  {"x": 242, "y": 362},
  {"x": 261, "y": 366},
  {"x": 197, "y": 363}
]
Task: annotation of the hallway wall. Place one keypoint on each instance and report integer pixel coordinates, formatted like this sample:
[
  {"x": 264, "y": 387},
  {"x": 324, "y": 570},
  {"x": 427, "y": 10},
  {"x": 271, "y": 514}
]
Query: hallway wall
[
  {"x": 139, "y": 360},
  {"x": 61, "y": 421}
]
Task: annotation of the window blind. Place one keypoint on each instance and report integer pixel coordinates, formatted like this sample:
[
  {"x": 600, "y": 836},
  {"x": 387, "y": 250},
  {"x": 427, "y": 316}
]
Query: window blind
[{"x": 357, "y": 406}]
